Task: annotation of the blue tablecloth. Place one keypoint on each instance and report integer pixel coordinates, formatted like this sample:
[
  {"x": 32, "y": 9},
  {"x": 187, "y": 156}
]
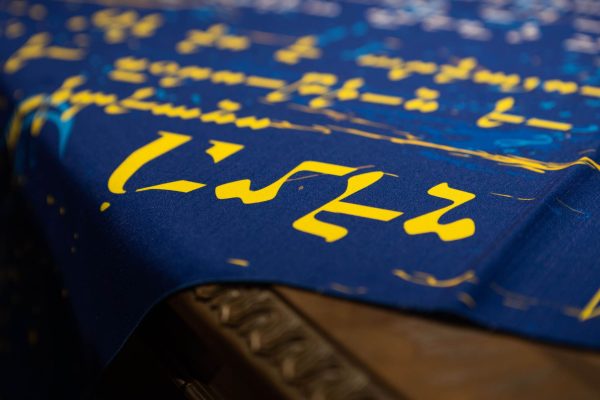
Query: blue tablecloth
[{"x": 436, "y": 157}]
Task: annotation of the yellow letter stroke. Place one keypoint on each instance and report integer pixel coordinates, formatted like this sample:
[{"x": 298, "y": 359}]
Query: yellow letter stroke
[
  {"x": 429, "y": 223},
  {"x": 330, "y": 232}
]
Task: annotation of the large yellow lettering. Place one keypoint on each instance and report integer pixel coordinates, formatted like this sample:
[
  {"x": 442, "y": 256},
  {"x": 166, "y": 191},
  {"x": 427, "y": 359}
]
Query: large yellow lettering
[
  {"x": 222, "y": 150},
  {"x": 330, "y": 232},
  {"x": 429, "y": 223},
  {"x": 241, "y": 189},
  {"x": 142, "y": 156}
]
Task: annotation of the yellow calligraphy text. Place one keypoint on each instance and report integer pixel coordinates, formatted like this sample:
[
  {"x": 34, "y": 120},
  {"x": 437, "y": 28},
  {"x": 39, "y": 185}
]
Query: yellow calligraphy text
[
  {"x": 331, "y": 232},
  {"x": 241, "y": 189},
  {"x": 429, "y": 223},
  {"x": 142, "y": 156}
]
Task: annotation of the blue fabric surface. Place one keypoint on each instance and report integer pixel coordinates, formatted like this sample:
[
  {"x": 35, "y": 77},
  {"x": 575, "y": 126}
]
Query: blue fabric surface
[{"x": 436, "y": 158}]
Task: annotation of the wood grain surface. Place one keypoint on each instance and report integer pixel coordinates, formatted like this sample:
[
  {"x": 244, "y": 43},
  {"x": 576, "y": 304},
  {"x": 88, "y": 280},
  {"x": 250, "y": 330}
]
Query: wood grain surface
[{"x": 425, "y": 358}]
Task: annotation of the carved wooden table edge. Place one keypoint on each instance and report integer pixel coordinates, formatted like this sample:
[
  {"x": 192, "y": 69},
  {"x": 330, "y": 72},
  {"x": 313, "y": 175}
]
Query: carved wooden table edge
[
  {"x": 277, "y": 342},
  {"x": 249, "y": 341}
]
